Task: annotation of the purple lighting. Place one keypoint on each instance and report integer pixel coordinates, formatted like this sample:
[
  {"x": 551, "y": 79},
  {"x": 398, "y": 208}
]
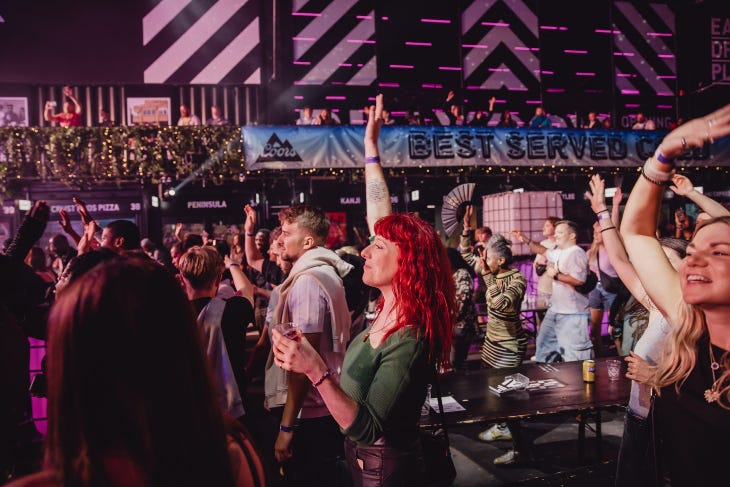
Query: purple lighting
[
  {"x": 499, "y": 70},
  {"x": 432, "y": 86},
  {"x": 333, "y": 97},
  {"x": 664, "y": 93},
  {"x": 436, "y": 21},
  {"x": 475, "y": 46},
  {"x": 298, "y": 97},
  {"x": 606, "y": 31},
  {"x": 360, "y": 41},
  {"x": 667, "y": 76},
  {"x": 666, "y": 55},
  {"x": 449, "y": 68},
  {"x": 659, "y": 34},
  {"x": 574, "y": 51},
  {"x": 543, "y": 72},
  {"x": 632, "y": 105},
  {"x": 555, "y": 90},
  {"x": 389, "y": 85},
  {"x": 363, "y": 17},
  {"x": 625, "y": 75},
  {"x": 584, "y": 74},
  {"x": 629, "y": 92},
  {"x": 419, "y": 44},
  {"x": 303, "y": 63},
  {"x": 626, "y": 54},
  {"x": 401, "y": 66},
  {"x": 304, "y": 39},
  {"x": 533, "y": 102},
  {"x": 495, "y": 24},
  {"x": 549, "y": 27},
  {"x": 345, "y": 65},
  {"x": 665, "y": 106},
  {"x": 306, "y": 14}
]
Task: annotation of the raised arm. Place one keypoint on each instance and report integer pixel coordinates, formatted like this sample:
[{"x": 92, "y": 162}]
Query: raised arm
[
  {"x": 612, "y": 239},
  {"x": 639, "y": 224},
  {"x": 244, "y": 287},
  {"x": 377, "y": 196},
  {"x": 535, "y": 247},
  {"x": 48, "y": 114},
  {"x": 69, "y": 94},
  {"x": 684, "y": 187},
  {"x": 253, "y": 254}
]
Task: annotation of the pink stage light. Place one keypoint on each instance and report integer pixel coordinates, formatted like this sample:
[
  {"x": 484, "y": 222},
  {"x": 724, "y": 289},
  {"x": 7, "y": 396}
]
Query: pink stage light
[
  {"x": 304, "y": 39},
  {"x": 495, "y": 24},
  {"x": 360, "y": 41},
  {"x": 363, "y": 17},
  {"x": 432, "y": 86},
  {"x": 574, "y": 51},
  {"x": 389, "y": 85},
  {"x": 475, "y": 46},
  {"x": 449, "y": 68},
  {"x": 667, "y": 76},
  {"x": 335, "y": 97},
  {"x": 436, "y": 21},
  {"x": 306, "y": 14},
  {"x": 418, "y": 44},
  {"x": 533, "y": 102},
  {"x": 345, "y": 65},
  {"x": 555, "y": 90},
  {"x": 303, "y": 63},
  {"x": 666, "y": 55},
  {"x": 584, "y": 74},
  {"x": 632, "y": 105},
  {"x": 659, "y": 34},
  {"x": 401, "y": 66},
  {"x": 606, "y": 31},
  {"x": 626, "y": 54},
  {"x": 629, "y": 92},
  {"x": 298, "y": 97},
  {"x": 667, "y": 107}
]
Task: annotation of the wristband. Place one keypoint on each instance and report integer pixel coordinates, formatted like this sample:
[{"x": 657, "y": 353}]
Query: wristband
[
  {"x": 319, "y": 381},
  {"x": 608, "y": 228},
  {"x": 651, "y": 180},
  {"x": 555, "y": 277},
  {"x": 370, "y": 159},
  {"x": 603, "y": 216},
  {"x": 250, "y": 234},
  {"x": 233, "y": 264},
  {"x": 664, "y": 160},
  {"x": 286, "y": 429},
  {"x": 601, "y": 211}
]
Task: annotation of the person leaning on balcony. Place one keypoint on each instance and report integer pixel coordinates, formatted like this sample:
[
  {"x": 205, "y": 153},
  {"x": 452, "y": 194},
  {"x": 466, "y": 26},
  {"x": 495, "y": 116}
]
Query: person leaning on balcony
[{"x": 71, "y": 114}]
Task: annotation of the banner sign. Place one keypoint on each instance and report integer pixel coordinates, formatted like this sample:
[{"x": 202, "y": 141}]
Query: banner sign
[{"x": 297, "y": 147}]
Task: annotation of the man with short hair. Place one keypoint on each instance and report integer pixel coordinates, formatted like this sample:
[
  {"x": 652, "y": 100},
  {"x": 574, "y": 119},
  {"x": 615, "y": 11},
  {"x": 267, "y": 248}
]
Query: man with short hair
[
  {"x": 215, "y": 117},
  {"x": 121, "y": 236},
  {"x": 564, "y": 330},
  {"x": 223, "y": 323},
  {"x": 313, "y": 297}
]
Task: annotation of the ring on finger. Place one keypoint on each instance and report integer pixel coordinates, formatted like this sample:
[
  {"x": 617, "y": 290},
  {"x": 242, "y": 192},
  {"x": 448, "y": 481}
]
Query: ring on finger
[
  {"x": 711, "y": 122},
  {"x": 709, "y": 137},
  {"x": 684, "y": 143}
]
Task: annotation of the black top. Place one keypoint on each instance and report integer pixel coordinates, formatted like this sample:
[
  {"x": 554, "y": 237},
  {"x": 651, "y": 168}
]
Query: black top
[
  {"x": 237, "y": 314},
  {"x": 694, "y": 434}
]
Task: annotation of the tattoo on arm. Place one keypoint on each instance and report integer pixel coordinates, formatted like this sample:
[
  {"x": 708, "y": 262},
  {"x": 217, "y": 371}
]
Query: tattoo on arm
[{"x": 376, "y": 191}]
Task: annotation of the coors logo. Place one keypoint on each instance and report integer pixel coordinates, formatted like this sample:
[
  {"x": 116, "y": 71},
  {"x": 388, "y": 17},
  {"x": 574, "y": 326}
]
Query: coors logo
[{"x": 276, "y": 150}]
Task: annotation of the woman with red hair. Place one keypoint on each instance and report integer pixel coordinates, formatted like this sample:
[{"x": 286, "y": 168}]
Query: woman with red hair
[{"x": 387, "y": 367}]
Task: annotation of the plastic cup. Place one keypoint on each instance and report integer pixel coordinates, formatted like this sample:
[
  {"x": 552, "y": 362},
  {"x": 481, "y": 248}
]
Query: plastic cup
[
  {"x": 288, "y": 329},
  {"x": 614, "y": 369}
]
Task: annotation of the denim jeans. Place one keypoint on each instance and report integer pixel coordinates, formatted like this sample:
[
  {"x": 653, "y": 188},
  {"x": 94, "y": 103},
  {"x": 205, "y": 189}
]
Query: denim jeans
[
  {"x": 385, "y": 466},
  {"x": 563, "y": 336}
]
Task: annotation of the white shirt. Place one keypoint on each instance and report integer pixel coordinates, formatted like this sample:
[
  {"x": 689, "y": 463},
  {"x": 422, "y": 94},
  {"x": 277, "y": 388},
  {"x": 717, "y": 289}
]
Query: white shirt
[{"x": 572, "y": 261}]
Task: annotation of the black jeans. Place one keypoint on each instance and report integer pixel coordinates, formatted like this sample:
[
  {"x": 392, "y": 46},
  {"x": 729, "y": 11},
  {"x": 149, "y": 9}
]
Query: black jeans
[
  {"x": 385, "y": 466},
  {"x": 634, "y": 466},
  {"x": 317, "y": 455}
]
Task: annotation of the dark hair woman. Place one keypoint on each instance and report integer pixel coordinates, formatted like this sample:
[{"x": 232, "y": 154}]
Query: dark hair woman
[{"x": 130, "y": 394}]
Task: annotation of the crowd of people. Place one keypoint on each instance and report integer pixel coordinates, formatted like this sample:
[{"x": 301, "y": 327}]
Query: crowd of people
[{"x": 148, "y": 367}]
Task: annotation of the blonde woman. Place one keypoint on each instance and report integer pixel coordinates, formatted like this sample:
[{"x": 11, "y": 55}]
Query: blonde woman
[{"x": 692, "y": 410}]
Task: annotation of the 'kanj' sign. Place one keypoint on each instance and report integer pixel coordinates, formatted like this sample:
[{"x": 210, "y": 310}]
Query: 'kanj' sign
[{"x": 284, "y": 147}]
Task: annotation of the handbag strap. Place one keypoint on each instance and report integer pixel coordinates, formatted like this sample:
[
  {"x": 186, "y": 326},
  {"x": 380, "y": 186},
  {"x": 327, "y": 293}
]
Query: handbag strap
[{"x": 442, "y": 416}]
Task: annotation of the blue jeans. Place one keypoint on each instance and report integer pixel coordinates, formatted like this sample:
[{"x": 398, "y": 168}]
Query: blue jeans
[{"x": 563, "y": 336}]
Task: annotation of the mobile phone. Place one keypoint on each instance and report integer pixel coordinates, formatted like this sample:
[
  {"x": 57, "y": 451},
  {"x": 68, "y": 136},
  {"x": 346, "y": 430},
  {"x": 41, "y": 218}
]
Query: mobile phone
[{"x": 53, "y": 104}]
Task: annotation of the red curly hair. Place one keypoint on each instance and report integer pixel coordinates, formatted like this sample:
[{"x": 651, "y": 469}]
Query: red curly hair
[{"x": 423, "y": 284}]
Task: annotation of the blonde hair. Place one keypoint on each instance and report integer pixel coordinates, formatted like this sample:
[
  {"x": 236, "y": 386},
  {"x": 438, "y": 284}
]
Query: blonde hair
[
  {"x": 680, "y": 350},
  {"x": 201, "y": 266}
]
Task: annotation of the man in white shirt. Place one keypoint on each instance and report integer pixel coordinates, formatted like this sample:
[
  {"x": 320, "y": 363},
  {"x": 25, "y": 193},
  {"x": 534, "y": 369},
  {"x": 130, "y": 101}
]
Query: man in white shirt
[
  {"x": 564, "y": 330},
  {"x": 643, "y": 123}
]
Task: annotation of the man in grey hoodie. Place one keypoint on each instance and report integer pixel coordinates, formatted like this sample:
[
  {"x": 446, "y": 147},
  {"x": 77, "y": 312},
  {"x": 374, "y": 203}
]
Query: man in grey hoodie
[{"x": 309, "y": 442}]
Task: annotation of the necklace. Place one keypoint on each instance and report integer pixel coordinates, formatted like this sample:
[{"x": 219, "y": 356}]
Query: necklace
[
  {"x": 377, "y": 330},
  {"x": 713, "y": 393}
]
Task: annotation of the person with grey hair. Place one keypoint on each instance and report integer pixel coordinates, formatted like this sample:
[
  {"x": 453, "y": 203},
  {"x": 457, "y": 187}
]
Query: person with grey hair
[{"x": 505, "y": 342}]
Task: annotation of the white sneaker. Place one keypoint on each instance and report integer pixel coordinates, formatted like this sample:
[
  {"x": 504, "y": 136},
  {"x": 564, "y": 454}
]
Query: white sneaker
[
  {"x": 495, "y": 433},
  {"x": 510, "y": 458}
]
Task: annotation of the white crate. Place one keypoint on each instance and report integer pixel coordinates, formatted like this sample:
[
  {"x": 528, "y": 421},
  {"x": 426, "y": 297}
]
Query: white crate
[{"x": 505, "y": 212}]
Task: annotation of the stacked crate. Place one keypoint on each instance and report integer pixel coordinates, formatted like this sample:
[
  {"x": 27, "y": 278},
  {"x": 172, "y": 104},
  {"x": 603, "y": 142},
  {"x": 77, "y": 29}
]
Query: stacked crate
[{"x": 525, "y": 211}]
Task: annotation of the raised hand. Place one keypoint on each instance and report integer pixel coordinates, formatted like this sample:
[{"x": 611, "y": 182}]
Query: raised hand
[
  {"x": 65, "y": 221},
  {"x": 596, "y": 195},
  {"x": 696, "y": 132},
  {"x": 40, "y": 211},
  {"x": 618, "y": 196},
  {"x": 372, "y": 129},
  {"x": 469, "y": 211},
  {"x": 249, "y": 225},
  {"x": 682, "y": 185},
  {"x": 82, "y": 211},
  {"x": 67, "y": 91}
]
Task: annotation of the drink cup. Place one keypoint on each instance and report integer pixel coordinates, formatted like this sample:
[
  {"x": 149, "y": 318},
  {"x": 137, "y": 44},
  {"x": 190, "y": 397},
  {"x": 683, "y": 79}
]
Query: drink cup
[
  {"x": 614, "y": 369},
  {"x": 289, "y": 330}
]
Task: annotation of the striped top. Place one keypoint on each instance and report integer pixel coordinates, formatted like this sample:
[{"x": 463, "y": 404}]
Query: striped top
[{"x": 505, "y": 342}]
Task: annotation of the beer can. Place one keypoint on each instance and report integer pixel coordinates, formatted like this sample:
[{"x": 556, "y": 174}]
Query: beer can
[{"x": 589, "y": 371}]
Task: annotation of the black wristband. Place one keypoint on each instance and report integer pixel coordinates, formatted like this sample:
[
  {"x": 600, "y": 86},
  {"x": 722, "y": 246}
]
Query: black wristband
[{"x": 555, "y": 277}]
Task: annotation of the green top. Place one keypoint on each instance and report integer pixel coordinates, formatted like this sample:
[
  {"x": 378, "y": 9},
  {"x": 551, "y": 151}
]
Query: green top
[{"x": 389, "y": 385}]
